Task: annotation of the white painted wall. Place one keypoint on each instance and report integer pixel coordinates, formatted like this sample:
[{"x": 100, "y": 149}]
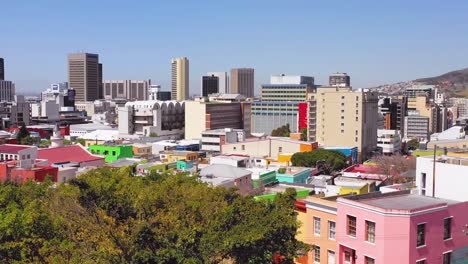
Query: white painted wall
[{"x": 451, "y": 180}]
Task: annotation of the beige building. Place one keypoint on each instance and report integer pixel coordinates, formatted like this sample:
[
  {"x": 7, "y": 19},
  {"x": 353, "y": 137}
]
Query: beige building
[
  {"x": 205, "y": 115},
  {"x": 84, "y": 76},
  {"x": 127, "y": 89},
  {"x": 180, "y": 79},
  {"x": 342, "y": 117},
  {"x": 242, "y": 82}
]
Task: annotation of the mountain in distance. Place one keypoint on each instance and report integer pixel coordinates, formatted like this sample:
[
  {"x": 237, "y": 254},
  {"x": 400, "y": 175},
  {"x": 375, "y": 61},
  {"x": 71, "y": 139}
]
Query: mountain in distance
[{"x": 453, "y": 84}]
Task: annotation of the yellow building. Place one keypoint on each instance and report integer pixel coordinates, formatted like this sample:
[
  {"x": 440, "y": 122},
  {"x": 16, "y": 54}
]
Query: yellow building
[
  {"x": 180, "y": 79},
  {"x": 342, "y": 117},
  {"x": 176, "y": 155}
]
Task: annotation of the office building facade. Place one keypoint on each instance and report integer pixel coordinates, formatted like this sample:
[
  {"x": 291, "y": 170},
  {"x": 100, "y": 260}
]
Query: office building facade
[
  {"x": 242, "y": 82},
  {"x": 223, "y": 81},
  {"x": 287, "y": 88},
  {"x": 216, "y": 115},
  {"x": 180, "y": 79},
  {"x": 210, "y": 85},
  {"x": 267, "y": 116},
  {"x": 127, "y": 89},
  {"x": 339, "y": 80},
  {"x": 393, "y": 110},
  {"x": 155, "y": 93},
  {"x": 416, "y": 127},
  {"x": 2, "y": 69},
  {"x": 7, "y": 91},
  {"x": 83, "y": 75}
]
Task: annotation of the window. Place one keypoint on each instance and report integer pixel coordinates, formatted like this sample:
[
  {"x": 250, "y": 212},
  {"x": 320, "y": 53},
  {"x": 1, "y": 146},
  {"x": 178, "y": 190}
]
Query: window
[
  {"x": 357, "y": 118},
  {"x": 422, "y": 261},
  {"x": 342, "y": 97},
  {"x": 317, "y": 254},
  {"x": 113, "y": 153},
  {"x": 351, "y": 227},
  {"x": 357, "y": 132},
  {"x": 331, "y": 230},
  {"x": 370, "y": 231},
  {"x": 447, "y": 228},
  {"x": 342, "y": 124},
  {"x": 356, "y": 139},
  {"x": 342, "y": 117},
  {"x": 357, "y": 112},
  {"x": 243, "y": 147},
  {"x": 447, "y": 258},
  {"x": 347, "y": 257},
  {"x": 421, "y": 235},
  {"x": 234, "y": 148},
  {"x": 357, "y": 98},
  {"x": 342, "y": 130},
  {"x": 342, "y": 104},
  {"x": 423, "y": 180},
  {"x": 342, "y": 110},
  {"x": 369, "y": 260},
  {"x": 280, "y": 149},
  {"x": 317, "y": 226}
]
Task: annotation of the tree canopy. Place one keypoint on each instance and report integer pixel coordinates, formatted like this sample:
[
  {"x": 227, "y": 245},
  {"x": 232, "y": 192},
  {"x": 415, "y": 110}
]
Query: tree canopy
[
  {"x": 282, "y": 131},
  {"x": 327, "y": 160},
  {"x": 22, "y": 133},
  {"x": 109, "y": 216}
]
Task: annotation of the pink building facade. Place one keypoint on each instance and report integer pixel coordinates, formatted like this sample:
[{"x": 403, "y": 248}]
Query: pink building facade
[{"x": 400, "y": 227}]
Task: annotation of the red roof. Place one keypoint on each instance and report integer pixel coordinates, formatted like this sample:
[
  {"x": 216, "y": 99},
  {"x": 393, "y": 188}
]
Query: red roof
[
  {"x": 72, "y": 153},
  {"x": 12, "y": 149}
]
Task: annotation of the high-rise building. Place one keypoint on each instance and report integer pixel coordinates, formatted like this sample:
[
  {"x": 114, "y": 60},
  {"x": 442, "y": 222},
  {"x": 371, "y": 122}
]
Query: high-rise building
[
  {"x": 2, "y": 69},
  {"x": 339, "y": 80},
  {"x": 342, "y": 117},
  {"x": 100, "y": 89},
  {"x": 180, "y": 79},
  {"x": 416, "y": 126},
  {"x": 83, "y": 75},
  {"x": 210, "y": 85},
  {"x": 20, "y": 112},
  {"x": 223, "y": 81},
  {"x": 7, "y": 91},
  {"x": 242, "y": 82},
  {"x": 393, "y": 110},
  {"x": 127, "y": 89}
]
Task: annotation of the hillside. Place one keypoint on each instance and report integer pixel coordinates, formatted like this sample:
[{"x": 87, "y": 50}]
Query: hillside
[{"x": 454, "y": 84}]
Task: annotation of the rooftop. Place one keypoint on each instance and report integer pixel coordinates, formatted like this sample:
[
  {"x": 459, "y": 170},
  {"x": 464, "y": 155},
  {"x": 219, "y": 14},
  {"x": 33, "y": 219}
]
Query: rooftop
[
  {"x": 448, "y": 160},
  {"x": 102, "y": 135},
  {"x": 72, "y": 153},
  {"x": 123, "y": 162},
  {"x": 402, "y": 200},
  {"x": 223, "y": 171},
  {"x": 89, "y": 127},
  {"x": 232, "y": 157},
  {"x": 13, "y": 149}
]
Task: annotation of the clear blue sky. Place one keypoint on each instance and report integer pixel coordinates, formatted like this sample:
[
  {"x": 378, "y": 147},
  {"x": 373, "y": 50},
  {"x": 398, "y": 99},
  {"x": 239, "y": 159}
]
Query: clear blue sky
[{"x": 376, "y": 42}]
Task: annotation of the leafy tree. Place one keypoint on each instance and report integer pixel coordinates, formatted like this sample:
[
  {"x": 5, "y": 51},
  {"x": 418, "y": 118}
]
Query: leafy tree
[
  {"x": 282, "y": 131},
  {"x": 109, "y": 216},
  {"x": 28, "y": 140},
  {"x": 153, "y": 134},
  {"x": 22, "y": 133},
  {"x": 304, "y": 134},
  {"x": 81, "y": 141},
  {"x": 327, "y": 160},
  {"x": 412, "y": 144}
]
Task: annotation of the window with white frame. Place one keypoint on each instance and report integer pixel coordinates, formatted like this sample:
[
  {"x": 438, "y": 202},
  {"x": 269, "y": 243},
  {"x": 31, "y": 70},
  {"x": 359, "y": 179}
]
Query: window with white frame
[
  {"x": 317, "y": 254},
  {"x": 331, "y": 230},
  {"x": 316, "y": 226}
]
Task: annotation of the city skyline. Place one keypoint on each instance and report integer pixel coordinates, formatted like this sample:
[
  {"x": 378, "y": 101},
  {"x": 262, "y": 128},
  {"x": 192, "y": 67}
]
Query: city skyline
[{"x": 375, "y": 43}]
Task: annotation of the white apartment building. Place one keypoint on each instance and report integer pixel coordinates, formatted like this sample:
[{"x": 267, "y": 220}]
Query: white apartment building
[
  {"x": 212, "y": 140},
  {"x": 451, "y": 177},
  {"x": 389, "y": 141}
]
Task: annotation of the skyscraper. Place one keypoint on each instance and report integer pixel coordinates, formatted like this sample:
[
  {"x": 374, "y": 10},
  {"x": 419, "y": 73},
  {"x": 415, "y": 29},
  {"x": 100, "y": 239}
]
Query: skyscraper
[
  {"x": 180, "y": 79},
  {"x": 242, "y": 81},
  {"x": 2, "y": 70},
  {"x": 223, "y": 81},
  {"x": 100, "y": 84},
  {"x": 210, "y": 85},
  {"x": 84, "y": 75}
]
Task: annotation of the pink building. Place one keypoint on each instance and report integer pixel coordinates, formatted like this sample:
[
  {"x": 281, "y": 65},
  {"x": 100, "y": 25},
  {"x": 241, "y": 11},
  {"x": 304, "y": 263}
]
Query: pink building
[{"x": 399, "y": 227}]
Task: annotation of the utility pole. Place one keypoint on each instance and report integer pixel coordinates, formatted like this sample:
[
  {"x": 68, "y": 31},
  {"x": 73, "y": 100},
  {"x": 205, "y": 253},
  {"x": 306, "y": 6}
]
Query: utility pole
[{"x": 434, "y": 171}]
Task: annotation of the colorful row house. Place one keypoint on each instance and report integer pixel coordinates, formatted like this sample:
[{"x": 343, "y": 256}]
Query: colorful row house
[{"x": 394, "y": 227}]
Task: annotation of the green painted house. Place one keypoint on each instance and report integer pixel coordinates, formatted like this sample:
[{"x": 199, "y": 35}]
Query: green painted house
[{"x": 112, "y": 152}]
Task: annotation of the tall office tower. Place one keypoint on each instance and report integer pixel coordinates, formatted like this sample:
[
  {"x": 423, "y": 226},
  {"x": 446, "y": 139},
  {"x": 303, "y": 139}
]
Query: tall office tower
[
  {"x": 127, "y": 89},
  {"x": 2, "y": 69},
  {"x": 7, "y": 91},
  {"x": 343, "y": 117},
  {"x": 100, "y": 84},
  {"x": 393, "y": 110},
  {"x": 242, "y": 82},
  {"x": 223, "y": 81},
  {"x": 180, "y": 79},
  {"x": 83, "y": 75},
  {"x": 210, "y": 85},
  {"x": 339, "y": 80}
]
